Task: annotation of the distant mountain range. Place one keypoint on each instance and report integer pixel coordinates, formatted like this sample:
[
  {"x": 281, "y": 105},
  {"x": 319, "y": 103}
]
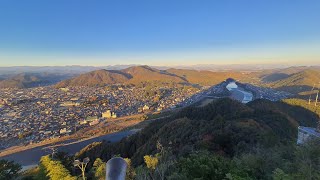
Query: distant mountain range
[
  {"x": 76, "y": 69},
  {"x": 293, "y": 79},
  {"x": 28, "y": 80},
  {"x": 139, "y": 74}
]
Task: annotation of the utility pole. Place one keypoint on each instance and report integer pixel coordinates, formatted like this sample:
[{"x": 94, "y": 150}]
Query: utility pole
[
  {"x": 310, "y": 94},
  {"x": 82, "y": 166},
  {"x": 315, "y": 104},
  {"x": 53, "y": 150}
]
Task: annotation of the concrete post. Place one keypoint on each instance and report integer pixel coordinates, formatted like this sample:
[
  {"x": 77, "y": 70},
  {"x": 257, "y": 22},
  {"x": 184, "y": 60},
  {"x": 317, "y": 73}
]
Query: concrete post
[{"x": 116, "y": 169}]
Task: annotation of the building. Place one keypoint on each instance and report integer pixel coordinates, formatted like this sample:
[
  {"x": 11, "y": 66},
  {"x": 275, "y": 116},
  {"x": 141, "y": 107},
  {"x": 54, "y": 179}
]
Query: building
[
  {"x": 307, "y": 133},
  {"x": 83, "y": 122},
  {"x": 64, "y": 131},
  {"x": 145, "y": 108},
  {"x": 69, "y": 103},
  {"x": 114, "y": 115},
  {"x": 92, "y": 118},
  {"x": 109, "y": 114},
  {"x": 94, "y": 123}
]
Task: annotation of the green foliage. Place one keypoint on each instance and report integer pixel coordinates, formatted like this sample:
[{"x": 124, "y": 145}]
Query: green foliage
[
  {"x": 306, "y": 161},
  {"x": 130, "y": 174},
  {"x": 207, "y": 166},
  {"x": 305, "y": 104},
  {"x": 256, "y": 141},
  {"x": 158, "y": 166},
  {"x": 65, "y": 159},
  {"x": 9, "y": 169},
  {"x": 224, "y": 126},
  {"x": 278, "y": 174},
  {"x": 30, "y": 174},
  {"x": 99, "y": 168},
  {"x": 52, "y": 169}
]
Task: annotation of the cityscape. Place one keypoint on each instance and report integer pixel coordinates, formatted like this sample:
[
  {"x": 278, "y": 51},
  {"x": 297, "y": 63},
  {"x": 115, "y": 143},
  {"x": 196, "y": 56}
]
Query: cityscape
[
  {"x": 39, "y": 114},
  {"x": 36, "y": 114},
  {"x": 160, "y": 90}
]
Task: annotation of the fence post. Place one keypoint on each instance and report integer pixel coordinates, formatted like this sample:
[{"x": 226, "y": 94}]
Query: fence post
[{"x": 116, "y": 169}]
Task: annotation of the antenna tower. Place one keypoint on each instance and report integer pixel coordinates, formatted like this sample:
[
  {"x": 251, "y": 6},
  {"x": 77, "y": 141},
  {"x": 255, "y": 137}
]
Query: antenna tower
[
  {"x": 316, "y": 103},
  {"x": 310, "y": 94}
]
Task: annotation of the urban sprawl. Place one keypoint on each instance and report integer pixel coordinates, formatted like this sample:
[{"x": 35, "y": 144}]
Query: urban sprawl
[{"x": 36, "y": 114}]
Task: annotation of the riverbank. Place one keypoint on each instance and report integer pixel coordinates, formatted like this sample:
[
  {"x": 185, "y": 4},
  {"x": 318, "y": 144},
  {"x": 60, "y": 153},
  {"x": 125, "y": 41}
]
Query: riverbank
[
  {"x": 103, "y": 128},
  {"x": 30, "y": 158}
]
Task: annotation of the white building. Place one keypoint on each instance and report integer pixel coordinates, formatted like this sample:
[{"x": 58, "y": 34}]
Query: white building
[
  {"x": 109, "y": 114},
  {"x": 145, "y": 108}
]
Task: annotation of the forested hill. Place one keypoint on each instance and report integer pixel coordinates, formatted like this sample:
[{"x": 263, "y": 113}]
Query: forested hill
[
  {"x": 28, "y": 80},
  {"x": 141, "y": 74},
  {"x": 225, "y": 127}
]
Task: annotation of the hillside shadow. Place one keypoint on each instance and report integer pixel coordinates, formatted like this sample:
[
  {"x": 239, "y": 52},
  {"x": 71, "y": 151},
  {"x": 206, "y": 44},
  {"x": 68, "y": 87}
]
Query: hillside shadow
[
  {"x": 173, "y": 75},
  {"x": 303, "y": 116},
  {"x": 295, "y": 89},
  {"x": 274, "y": 77},
  {"x": 129, "y": 76}
]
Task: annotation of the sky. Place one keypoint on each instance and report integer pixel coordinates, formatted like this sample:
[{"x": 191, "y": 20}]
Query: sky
[{"x": 159, "y": 32}]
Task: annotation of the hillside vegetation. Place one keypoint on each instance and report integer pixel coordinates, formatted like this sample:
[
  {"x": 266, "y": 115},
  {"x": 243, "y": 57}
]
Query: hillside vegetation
[
  {"x": 299, "y": 83},
  {"x": 305, "y": 104},
  {"x": 96, "y": 78},
  {"x": 225, "y": 132},
  {"x": 303, "y": 78},
  {"x": 222, "y": 140}
]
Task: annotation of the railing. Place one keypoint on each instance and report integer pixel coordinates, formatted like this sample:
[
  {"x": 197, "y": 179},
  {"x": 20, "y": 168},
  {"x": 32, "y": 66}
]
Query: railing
[{"x": 116, "y": 169}]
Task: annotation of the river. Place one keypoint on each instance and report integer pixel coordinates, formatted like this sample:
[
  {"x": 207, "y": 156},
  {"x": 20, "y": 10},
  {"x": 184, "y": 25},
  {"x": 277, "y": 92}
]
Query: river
[
  {"x": 239, "y": 93},
  {"x": 30, "y": 158}
]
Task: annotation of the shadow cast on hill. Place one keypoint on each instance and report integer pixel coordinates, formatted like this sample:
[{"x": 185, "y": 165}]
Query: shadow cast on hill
[
  {"x": 173, "y": 75},
  {"x": 295, "y": 89},
  {"x": 274, "y": 77},
  {"x": 129, "y": 76}
]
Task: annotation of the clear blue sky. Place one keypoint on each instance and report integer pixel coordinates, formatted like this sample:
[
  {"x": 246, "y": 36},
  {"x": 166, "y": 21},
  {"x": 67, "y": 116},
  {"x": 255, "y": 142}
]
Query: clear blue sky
[{"x": 158, "y": 32}]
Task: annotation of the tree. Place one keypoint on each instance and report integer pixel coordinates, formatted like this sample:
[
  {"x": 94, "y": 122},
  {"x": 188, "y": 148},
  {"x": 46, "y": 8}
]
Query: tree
[
  {"x": 99, "y": 168},
  {"x": 54, "y": 170},
  {"x": 307, "y": 161},
  {"x": 9, "y": 169},
  {"x": 130, "y": 174},
  {"x": 278, "y": 174},
  {"x": 151, "y": 162},
  {"x": 206, "y": 166}
]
